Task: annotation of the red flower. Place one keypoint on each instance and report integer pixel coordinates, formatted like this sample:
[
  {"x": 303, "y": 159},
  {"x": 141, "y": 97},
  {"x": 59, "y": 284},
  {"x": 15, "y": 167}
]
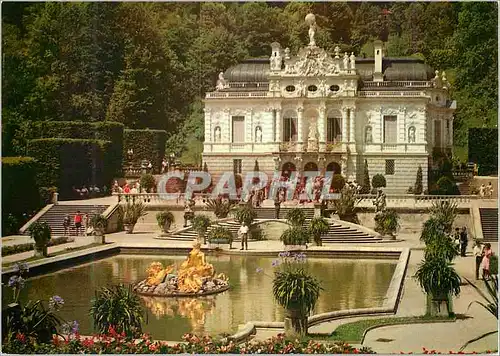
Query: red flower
[
  {"x": 112, "y": 331},
  {"x": 153, "y": 347},
  {"x": 21, "y": 337},
  {"x": 88, "y": 342},
  {"x": 55, "y": 340}
]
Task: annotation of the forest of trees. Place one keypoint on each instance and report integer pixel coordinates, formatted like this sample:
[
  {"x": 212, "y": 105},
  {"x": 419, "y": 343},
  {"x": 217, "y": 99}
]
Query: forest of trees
[{"x": 150, "y": 64}]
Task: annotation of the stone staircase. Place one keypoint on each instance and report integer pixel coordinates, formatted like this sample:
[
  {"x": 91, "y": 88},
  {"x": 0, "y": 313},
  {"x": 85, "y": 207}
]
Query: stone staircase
[
  {"x": 268, "y": 213},
  {"x": 489, "y": 224},
  {"x": 337, "y": 232},
  {"x": 55, "y": 215}
]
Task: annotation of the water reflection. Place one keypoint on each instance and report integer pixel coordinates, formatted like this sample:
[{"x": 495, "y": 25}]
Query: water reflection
[{"x": 347, "y": 283}]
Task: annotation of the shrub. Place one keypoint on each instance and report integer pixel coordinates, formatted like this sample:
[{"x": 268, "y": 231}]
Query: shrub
[
  {"x": 164, "y": 218},
  {"x": 446, "y": 186},
  {"x": 418, "y": 183},
  {"x": 146, "y": 144},
  {"x": 68, "y": 163},
  {"x": 245, "y": 214},
  {"x": 220, "y": 207},
  {"x": 432, "y": 227},
  {"x": 296, "y": 235},
  {"x": 200, "y": 224},
  {"x": 99, "y": 222},
  {"x": 132, "y": 212},
  {"x": 220, "y": 234},
  {"x": 338, "y": 182},
  {"x": 438, "y": 278},
  {"x": 483, "y": 149},
  {"x": 20, "y": 193},
  {"x": 296, "y": 217},
  {"x": 366, "y": 187},
  {"x": 378, "y": 181},
  {"x": 346, "y": 205},
  {"x": 148, "y": 182},
  {"x": 40, "y": 232},
  {"x": 441, "y": 246},
  {"x": 257, "y": 233},
  {"x": 119, "y": 308},
  {"x": 446, "y": 212},
  {"x": 387, "y": 222},
  {"x": 318, "y": 227}
]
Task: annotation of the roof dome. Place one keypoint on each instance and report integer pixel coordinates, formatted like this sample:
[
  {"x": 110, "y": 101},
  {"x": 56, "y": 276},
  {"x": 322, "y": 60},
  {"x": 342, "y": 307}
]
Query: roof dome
[{"x": 250, "y": 70}]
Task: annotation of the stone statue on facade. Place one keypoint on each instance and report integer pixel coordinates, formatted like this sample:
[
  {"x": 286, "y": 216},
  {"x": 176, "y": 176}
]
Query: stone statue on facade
[
  {"x": 311, "y": 21},
  {"x": 217, "y": 135},
  {"x": 411, "y": 134},
  {"x": 287, "y": 53},
  {"x": 221, "y": 82},
  {"x": 380, "y": 201},
  {"x": 258, "y": 134},
  {"x": 368, "y": 135},
  {"x": 312, "y": 139},
  {"x": 346, "y": 61},
  {"x": 337, "y": 51},
  {"x": 275, "y": 62},
  {"x": 353, "y": 60},
  {"x": 437, "y": 82}
]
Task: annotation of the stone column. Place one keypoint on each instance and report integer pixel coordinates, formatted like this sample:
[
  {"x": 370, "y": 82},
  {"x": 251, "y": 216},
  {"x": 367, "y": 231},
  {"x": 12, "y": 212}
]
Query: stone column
[
  {"x": 321, "y": 127},
  {"x": 345, "y": 138},
  {"x": 300, "y": 128},
  {"x": 278, "y": 125},
  {"x": 352, "y": 125},
  {"x": 227, "y": 131},
  {"x": 208, "y": 125},
  {"x": 250, "y": 134}
]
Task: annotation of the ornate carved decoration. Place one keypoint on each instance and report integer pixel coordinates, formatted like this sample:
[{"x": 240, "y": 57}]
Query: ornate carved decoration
[
  {"x": 313, "y": 61},
  {"x": 390, "y": 111}
]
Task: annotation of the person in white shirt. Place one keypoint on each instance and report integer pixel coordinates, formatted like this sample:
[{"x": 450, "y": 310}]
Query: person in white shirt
[
  {"x": 243, "y": 232},
  {"x": 477, "y": 251}
]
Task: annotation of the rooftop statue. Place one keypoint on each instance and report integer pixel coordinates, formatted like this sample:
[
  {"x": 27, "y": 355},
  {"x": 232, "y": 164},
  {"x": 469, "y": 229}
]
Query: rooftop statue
[{"x": 311, "y": 21}]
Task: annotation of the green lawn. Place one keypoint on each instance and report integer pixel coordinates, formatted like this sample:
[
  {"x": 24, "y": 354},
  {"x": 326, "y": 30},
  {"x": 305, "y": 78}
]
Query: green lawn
[
  {"x": 353, "y": 333},
  {"x": 67, "y": 250}
]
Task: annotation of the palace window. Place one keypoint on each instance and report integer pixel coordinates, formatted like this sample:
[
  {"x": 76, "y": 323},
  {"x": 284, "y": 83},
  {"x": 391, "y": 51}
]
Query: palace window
[
  {"x": 289, "y": 129},
  {"x": 389, "y": 167},
  {"x": 238, "y": 129},
  {"x": 237, "y": 166},
  {"x": 333, "y": 129},
  {"x": 390, "y": 129}
]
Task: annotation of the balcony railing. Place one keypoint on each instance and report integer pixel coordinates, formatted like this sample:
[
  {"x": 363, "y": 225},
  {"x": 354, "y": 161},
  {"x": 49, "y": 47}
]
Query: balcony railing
[
  {"x": 392, "y": 94},
  {"x": 251, "y": 94},
  {"x": 399, "y": 84},
  {"x": 259, "y": 85}
]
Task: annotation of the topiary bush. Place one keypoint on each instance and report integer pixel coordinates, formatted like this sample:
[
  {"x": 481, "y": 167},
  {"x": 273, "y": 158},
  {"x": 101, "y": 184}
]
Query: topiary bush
[
  {"x": 245, "y": 214},
  {"x": 378, "y": 181},
  {"x": 148, "y": 183},
  {"x": 146, "y": 144},
  {"x": 20, "y": 192},
  {"x": 69, "y": 163},
  {"x": 296, "y": 235},
  {"x": 446, "y": 186},
  {"x": 338, "y": 182}
]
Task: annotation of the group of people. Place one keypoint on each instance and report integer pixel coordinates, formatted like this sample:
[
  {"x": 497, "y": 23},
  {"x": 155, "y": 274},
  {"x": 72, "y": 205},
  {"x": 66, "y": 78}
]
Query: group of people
[
  {"x": 461, "y": 239},
  {"x": 486, "y": 191},
  {"x": 80, "y": 223},
  {"x": 92, "y": 191}
]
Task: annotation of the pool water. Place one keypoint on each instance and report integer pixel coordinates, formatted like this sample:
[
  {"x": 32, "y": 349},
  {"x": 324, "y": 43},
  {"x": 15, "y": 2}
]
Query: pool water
[{"x": 347, "y": 284}]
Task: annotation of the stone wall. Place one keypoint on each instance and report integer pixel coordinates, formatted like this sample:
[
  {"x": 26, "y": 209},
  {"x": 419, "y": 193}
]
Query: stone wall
[{"x": 405, "y": 171}]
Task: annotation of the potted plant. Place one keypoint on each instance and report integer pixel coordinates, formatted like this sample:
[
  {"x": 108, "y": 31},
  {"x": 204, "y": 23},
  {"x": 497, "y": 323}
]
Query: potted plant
[
  {"x": 295, "y": 237},
  {"x": 318, "y": 227},
  {"x": 346, "y": 205},
  {"x": 296, "y": 217},
  {"x": 200, "y": 225},
  {"x": 220, "y": 207},
  {"x": 245, "y": 214},
  {"x": 99, "y": 223},
  {"x": 446, "y": 212},
  {"x": 41, "y": 233},
  {"x": 220, "y": 235},
  {"x": 131, "y": 214},
  {"x": 387, "y": 223},
  {"x": 147, "y": 182},
  {"x": 440, "y": 281},
  {"x": 165, "y": 220},
  {"x": 296, "y": 291}
]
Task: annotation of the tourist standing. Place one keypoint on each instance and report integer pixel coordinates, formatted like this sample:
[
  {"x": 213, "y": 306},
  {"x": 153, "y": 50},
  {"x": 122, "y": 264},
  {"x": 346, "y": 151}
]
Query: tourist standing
[
  {"x": 489, "y": 191},
  {"x": 277, "y": 205},
  {"x": 243, "y": 232},
  {"x": 478, "y": 256},
  {"x": 485, "y": 263},
  {"x": 163, "y": 166},
  {"x": 66, "y": 224},
  {"x": 188, "y": 211},
  {"x": 481, "y": 190},
  {"x": 86, "y": 224},
  {"x": 463, "y": 241},
  {"x": 78, "y": 222}
]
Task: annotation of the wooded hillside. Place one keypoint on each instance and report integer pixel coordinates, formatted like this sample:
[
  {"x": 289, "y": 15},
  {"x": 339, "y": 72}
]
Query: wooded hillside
[{"x": 149, "y": 64}]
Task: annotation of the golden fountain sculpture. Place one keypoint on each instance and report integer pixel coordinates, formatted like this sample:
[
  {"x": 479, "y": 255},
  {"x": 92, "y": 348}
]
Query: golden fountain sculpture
[{"x": 195, "y": 276}]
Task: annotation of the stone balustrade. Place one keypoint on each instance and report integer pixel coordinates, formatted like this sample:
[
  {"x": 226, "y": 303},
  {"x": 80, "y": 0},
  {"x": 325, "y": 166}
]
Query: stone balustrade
[
  {"x": 399, "y": 84},
  {"x": 391, "y": 94}
]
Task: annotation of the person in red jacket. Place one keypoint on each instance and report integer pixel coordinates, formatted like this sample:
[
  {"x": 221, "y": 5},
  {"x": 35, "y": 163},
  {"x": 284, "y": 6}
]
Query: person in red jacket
[{"x": 78, "y": 222}]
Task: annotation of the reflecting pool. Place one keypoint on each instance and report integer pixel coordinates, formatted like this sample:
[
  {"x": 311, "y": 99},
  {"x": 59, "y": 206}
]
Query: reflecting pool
[{"x": 347, "y": 284}]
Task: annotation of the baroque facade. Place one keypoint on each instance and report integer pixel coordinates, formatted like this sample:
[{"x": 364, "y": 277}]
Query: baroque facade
[{"x": 320, "y": 112}]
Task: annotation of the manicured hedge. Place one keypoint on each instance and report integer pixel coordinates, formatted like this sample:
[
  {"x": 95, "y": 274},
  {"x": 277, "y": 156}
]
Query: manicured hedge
[
  {"x": 12, "y": 250},
  {"x": 20, "y": 191},
  {"x": 146, "y": 144},
  {"x": 67, "y": 163},
  {"x": 483, "y": 150},
  {"x": 105, "y": 131}
]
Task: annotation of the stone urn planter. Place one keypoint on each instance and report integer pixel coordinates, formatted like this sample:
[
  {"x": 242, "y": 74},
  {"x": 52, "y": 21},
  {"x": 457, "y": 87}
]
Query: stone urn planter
[
  {"x": 41, "y": 251},
  {"x": 99, "y": 237},
  {"x": 295, "y": 323},
  {"x": 439, "y": 305},
  {"x": 129, "y": 228}
]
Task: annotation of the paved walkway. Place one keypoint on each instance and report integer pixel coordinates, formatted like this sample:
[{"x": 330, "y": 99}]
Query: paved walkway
[{"x": 407, "y": 338}]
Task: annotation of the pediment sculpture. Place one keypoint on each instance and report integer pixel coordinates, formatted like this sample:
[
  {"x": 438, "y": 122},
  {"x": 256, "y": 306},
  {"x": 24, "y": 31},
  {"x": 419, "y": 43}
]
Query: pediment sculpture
[{"x": 313, "y": 61}]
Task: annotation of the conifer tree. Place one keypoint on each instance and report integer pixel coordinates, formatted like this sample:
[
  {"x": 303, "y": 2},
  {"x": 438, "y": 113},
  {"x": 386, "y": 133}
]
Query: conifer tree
[
  {"x": 365, "y": 187},
  {"x": 418, "y": 184}
]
